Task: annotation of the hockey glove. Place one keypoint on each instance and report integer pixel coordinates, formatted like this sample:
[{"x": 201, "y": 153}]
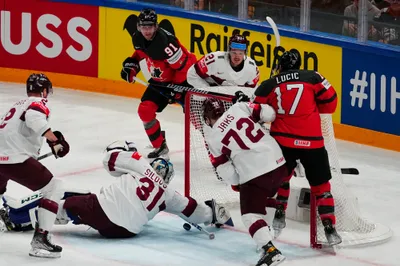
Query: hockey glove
[
  {"x": 240, "y": 97},
  {"x": 130, "y": 68},
  {"x": 60, "y": 147}
]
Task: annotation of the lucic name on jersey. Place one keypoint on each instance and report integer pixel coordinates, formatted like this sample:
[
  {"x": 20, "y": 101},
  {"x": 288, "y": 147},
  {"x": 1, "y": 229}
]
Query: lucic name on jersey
[
  {"x": 240, "y": 148},
  {"x": 214, "y": 69}
]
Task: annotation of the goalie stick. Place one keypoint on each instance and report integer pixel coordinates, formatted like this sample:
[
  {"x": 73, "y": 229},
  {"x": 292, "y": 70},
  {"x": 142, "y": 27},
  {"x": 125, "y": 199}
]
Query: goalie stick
[{"x": 188, "y": 225}]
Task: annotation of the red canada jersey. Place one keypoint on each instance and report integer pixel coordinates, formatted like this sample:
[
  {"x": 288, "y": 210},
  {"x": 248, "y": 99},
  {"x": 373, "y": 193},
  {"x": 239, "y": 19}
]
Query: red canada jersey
[
  {"x": 298, "y": 97},
  {"x": 166, "y": 58}
]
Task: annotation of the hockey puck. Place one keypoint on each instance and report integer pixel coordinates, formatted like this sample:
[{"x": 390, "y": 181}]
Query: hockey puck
[
  {"x": 211, "y": 236},
  {"x": 187, "y": 226}
]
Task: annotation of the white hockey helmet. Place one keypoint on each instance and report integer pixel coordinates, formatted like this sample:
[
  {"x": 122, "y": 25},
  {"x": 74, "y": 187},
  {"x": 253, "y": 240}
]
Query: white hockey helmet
[
  {"x": 164, "y": 169},
  {"x": 122, "y": 145}
]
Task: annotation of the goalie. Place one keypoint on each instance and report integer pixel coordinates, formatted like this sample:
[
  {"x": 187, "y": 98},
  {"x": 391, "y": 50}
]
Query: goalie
[{"x": 122, "y": 209}]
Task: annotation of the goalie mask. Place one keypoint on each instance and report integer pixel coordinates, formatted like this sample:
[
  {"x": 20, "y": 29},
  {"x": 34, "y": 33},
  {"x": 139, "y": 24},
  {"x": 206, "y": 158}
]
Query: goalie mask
[
  {"x": 164, "y": 169},
  {"x": 121, "y": 145}
]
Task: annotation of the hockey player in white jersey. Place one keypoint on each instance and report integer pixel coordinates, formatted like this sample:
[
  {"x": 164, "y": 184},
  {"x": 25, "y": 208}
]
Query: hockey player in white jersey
[
  {"x": 22, "y": 131},
  {"x": 232, "y": 68},
  {"x": 139, "y": 192},
  {"x": 249, "y": 159}
]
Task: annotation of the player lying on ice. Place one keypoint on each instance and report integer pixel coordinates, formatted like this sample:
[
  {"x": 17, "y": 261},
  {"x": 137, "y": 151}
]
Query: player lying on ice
[{"x": 139, "y": 192}]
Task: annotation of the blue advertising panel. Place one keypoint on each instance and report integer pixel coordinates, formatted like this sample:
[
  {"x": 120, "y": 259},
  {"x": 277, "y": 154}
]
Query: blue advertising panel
[{"x": 371, "y": 91}]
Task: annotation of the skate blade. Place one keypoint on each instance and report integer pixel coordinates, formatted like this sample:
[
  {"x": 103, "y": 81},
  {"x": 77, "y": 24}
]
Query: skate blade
[
  {"x": 42, "y": 253},
  {"x": 276, "y": 260},
  {"x": 277, "y": 232}
]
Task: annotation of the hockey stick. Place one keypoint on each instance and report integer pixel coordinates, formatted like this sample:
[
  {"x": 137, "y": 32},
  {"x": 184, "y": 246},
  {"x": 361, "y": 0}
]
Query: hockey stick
[
  {"x": 277, "y": 43},
  {"x": 187, "y": 227},
  {"x": 41, "y": 157},
  {"x": 180, "y": 89}
]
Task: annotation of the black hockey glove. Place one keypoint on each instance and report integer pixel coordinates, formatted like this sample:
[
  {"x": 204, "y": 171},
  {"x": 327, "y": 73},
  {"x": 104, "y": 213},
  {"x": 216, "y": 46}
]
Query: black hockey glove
[
  {"x": 130, "y": 68},
  {"x": 60, "y": 147},
  {"x": 240, "y": 97}
]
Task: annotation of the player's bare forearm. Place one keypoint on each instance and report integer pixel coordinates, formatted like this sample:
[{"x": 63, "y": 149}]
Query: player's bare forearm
[{"x": 50, "y": 135}]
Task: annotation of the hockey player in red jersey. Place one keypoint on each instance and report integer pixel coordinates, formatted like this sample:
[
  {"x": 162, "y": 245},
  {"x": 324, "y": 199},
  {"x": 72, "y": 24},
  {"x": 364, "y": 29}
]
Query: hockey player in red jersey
[
  {"x": 299, "y": 97},
  {"x": 22, "y": 131},
  {"x": 168, "y": 62}
]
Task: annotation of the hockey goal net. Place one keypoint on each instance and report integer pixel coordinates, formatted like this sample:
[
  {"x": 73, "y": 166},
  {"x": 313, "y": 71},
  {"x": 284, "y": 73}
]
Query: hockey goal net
[{"x": 201, "y": 179}]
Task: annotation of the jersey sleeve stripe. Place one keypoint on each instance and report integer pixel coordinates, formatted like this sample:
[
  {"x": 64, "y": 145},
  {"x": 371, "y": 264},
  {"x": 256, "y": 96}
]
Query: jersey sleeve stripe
[
  {"x": 321, "y": 92},
  {"x": 256, "y": 113},
  {"x": 190, "y": 208},
  {"x": 175, "y": 58},
  {"x": 217, "y": 161},
  {"x": 183, "y": 64},
  {"x": 112, "y": 160},
  {"x": 40, "y": 108},
  {"x": 199, "y": 72},
  {"x": 331, "y": 99}
]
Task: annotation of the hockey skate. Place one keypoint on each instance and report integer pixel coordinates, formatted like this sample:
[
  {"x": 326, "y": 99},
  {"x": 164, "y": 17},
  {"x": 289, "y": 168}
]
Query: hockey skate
[
  {"x": 279, "y": 221},
  {"x": 271, "y": 256},
  {"x": 42, "y": 246},
  {"x": 221, "y": 215},
  {"x": 162, "y": 152},
  {"x": 5, "y": 222},
  {"x": 330, "y": 232}
]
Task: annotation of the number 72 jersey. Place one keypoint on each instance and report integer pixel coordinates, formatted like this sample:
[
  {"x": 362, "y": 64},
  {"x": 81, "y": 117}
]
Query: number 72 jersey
[
  {"x": 240, "y": 148},
  {"x": 298, "y": 97}
]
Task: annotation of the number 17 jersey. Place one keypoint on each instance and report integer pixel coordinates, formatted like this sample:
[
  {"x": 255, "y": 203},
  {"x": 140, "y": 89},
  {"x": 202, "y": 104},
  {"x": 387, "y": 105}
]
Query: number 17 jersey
[{"x": 298, "y": 97}]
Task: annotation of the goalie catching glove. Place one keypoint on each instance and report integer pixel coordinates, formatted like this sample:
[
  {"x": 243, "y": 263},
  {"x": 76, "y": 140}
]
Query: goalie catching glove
[{"x": 60, "y": 147}]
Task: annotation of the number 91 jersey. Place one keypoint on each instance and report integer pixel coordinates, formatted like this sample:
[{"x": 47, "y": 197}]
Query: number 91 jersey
[
  {"x": 138, "y": 193},
  {"x": 238, "y": 144}
]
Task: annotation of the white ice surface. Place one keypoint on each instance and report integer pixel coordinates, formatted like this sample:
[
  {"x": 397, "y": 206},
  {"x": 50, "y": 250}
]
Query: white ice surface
[{"x": 91, "y": 121}]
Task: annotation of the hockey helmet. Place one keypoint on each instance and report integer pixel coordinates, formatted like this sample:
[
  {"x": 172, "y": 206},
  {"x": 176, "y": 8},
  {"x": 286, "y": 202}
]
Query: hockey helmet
[
  {"x": 213, "y": 108},
  {"x": 164, "y": 169},
  {"x": 122, "y": 145},
  {"x": 239, "y": 42},
  {"x": 147, "y": 17},
  {"x": 37, "y": 83},
  {"x": 289, "y": 60}
]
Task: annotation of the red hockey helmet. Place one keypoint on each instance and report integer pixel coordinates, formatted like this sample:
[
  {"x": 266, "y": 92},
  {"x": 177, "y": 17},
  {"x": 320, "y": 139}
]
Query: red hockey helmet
[
  {"x": 239, "y": 42},
  {"x": 213, "y": 108}
]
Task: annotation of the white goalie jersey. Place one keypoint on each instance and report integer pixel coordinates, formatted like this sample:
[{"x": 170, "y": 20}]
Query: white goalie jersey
[
  {"x": 22, "y": 129},
  {"x": 240, "y": 148},
  {"x": 214, "y": 69},
  {"x": 139, "y": 194}
]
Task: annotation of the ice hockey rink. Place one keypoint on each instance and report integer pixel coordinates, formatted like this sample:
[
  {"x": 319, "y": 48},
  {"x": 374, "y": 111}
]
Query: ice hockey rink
[{"x": 91, "y": 121}]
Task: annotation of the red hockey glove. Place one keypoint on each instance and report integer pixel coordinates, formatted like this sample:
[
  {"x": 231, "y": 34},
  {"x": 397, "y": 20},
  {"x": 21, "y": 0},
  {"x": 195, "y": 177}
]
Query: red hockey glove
[{"x": 60, "y": 147}]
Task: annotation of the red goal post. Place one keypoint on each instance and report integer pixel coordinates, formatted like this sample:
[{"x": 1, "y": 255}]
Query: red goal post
[{"x": 201, "y": 178}]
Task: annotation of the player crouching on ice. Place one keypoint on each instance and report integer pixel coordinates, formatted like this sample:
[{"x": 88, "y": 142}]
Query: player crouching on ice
[{"x": 122, "y": 209}]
